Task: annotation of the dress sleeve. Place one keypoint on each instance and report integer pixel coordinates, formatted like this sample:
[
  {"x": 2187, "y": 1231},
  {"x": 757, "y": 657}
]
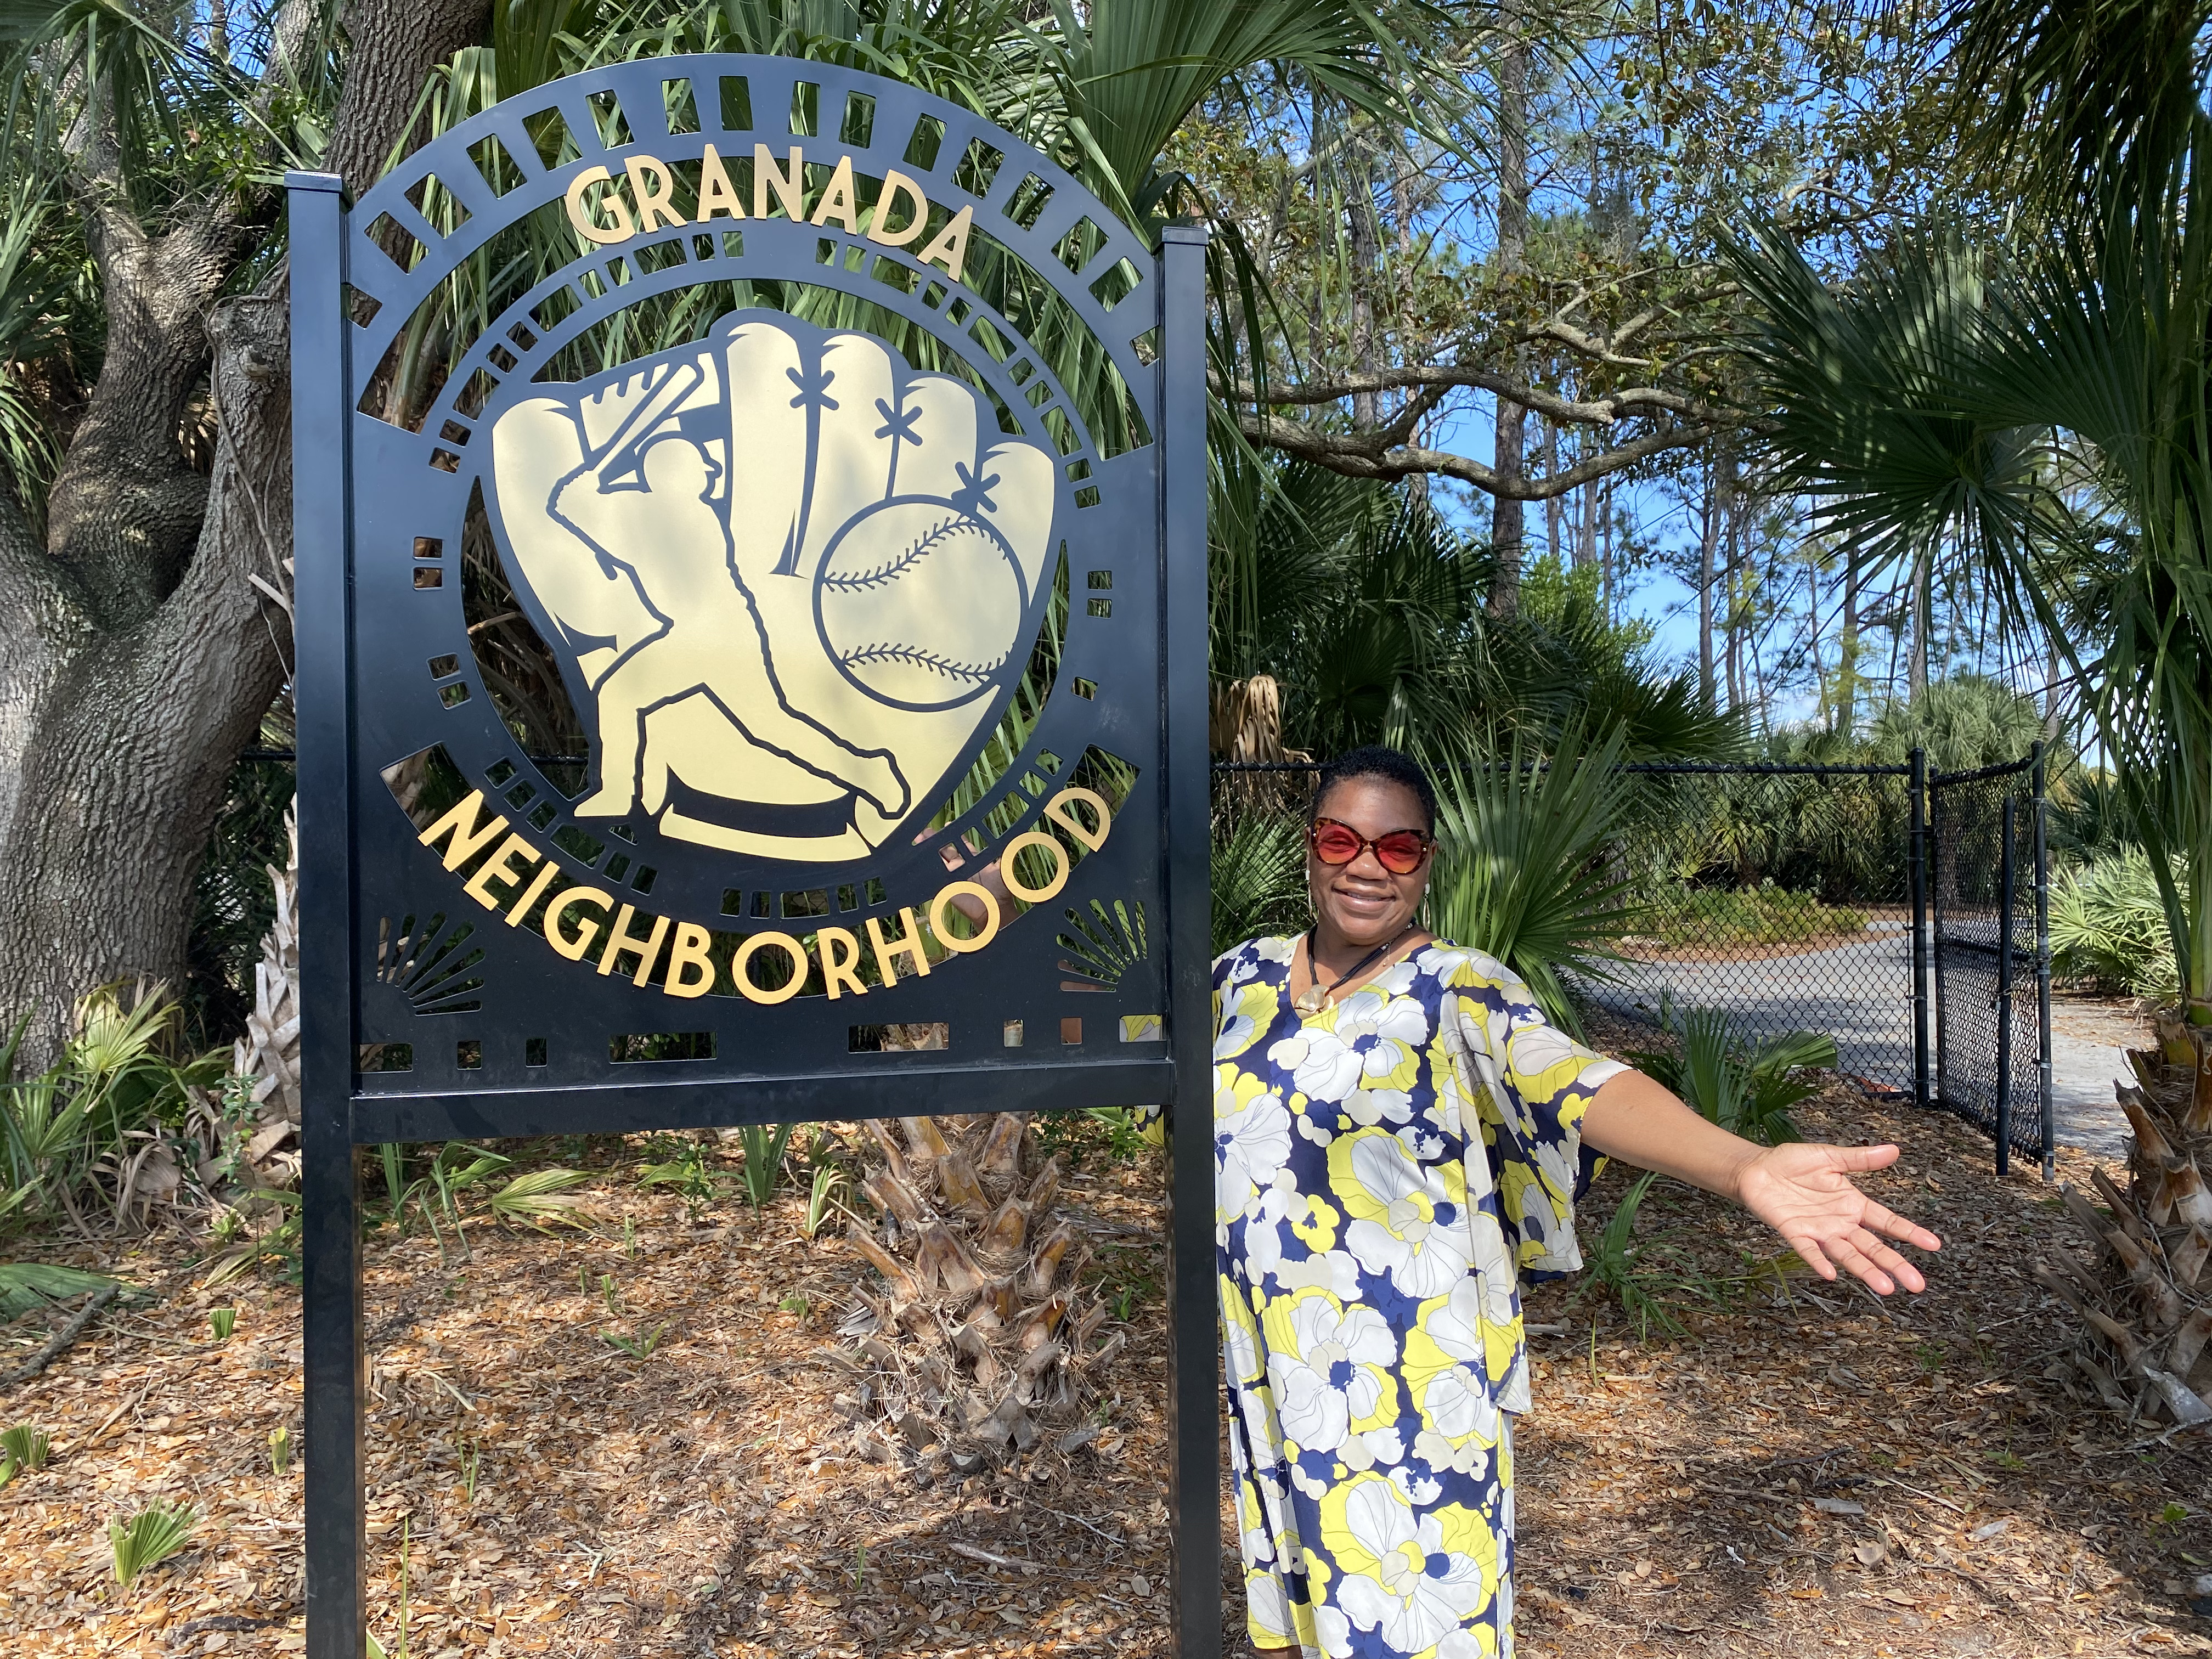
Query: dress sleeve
[{"x": 1530, "y": 1084}]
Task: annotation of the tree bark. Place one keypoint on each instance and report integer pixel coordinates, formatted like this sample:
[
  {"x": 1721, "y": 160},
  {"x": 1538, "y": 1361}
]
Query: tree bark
[
  {"x": 1708, "y": 546},
  {"x": 136, "y": 657},
  {"x": 1507, "y": 516}
]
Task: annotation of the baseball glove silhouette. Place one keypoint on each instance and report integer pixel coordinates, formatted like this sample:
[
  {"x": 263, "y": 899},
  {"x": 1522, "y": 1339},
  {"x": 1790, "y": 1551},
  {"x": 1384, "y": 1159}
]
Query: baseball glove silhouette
[{"x": 788, "y": 579}]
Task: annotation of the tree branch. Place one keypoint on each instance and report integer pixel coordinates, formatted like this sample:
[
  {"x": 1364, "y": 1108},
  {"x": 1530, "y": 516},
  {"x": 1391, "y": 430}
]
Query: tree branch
[
  {"x": 1597, "y": 411},
  {"x": 1364, "y": 455}
]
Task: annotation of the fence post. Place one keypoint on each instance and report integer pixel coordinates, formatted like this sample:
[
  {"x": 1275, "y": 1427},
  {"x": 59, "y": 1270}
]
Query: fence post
[
  {"x": 2005, "y": 879},
  {"x": 2048, "y": 1133},
  {"x": 1916, "y": 860}
]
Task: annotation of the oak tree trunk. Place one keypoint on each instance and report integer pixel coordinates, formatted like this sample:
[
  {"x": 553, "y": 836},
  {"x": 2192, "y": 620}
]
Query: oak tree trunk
[{"x": 143, "y": 638}]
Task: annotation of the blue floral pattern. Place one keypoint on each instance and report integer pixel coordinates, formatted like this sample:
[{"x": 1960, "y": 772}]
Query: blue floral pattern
[{"x": 1387, "y": 1172}]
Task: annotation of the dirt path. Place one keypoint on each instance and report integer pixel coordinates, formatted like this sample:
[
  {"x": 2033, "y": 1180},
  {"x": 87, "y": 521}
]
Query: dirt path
[{"x": 1700, "y": 1494}]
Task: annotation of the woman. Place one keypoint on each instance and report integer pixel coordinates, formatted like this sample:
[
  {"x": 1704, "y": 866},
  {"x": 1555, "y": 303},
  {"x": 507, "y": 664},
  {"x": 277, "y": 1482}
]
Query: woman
[{"x": 1400, "y": 1139}]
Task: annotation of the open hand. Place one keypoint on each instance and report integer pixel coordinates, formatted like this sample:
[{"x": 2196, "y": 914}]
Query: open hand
[{"x": 1803, "y": 1191}]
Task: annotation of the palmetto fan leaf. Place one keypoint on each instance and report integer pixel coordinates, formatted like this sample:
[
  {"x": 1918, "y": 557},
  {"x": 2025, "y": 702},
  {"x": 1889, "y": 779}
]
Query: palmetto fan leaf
[{"x": 1522, "y": 865}]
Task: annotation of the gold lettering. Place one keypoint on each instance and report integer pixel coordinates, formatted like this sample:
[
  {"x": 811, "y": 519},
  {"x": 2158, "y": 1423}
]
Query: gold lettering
[
  {"x": 690, "y": 951},
  {"x": 948, "y": 248},
  {"x": 1007, "y": 872},
  {"x": 940, "y": 924},
  {"x": 715, "y": 194},
  {"x": 543, "y": 879},
  {"x": 649, "y": 182},
  {"x": 611, "y": 203},
  {"x": 791, "y": 192},
  {"x": 468, "y": 836},
  {"x": 910, "y": 944},
  {"x": 837, "y": 197},
  {"x": 621, "y": 943},
  {"x": 500, "y": 867},
  {"x": 574, "y": 949},
  {"x": 1060, "y": 809},
  {"x": 895, "y": 182},
  {"x": 837, "y": 964},
  {"x": 740, "y": 967}
]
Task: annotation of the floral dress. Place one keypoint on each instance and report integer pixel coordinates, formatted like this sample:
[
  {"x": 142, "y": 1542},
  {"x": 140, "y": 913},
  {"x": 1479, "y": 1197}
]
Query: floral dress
[{"x": 1386, "y": 1172}]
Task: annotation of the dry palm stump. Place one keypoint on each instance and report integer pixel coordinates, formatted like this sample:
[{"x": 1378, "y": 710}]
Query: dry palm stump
[
  {"x": 2148, "y": 1349},
  {"x": 978, "y": 1349}
]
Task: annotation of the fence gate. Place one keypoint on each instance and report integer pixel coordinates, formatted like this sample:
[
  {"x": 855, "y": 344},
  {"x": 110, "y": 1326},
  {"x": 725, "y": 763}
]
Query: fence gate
[{"x": 1988, "y": 888}]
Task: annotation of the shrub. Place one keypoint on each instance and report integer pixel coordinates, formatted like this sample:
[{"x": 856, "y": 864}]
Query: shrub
[
  {"x": 1765, "y": 914},
  {"x": 1747, "y": 1087},
  {"x": 2108, "y": 927}
]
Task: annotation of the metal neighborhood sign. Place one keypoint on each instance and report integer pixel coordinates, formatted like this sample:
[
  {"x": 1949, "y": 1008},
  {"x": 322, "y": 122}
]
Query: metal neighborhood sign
[{"x": 843, "y": 461}]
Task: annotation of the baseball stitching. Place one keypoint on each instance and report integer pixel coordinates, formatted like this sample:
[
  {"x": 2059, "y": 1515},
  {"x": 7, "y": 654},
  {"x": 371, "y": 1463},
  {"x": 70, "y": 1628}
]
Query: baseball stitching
[
  {"x": 898, "y": 565},
  {"x": 913, "y": 656}
]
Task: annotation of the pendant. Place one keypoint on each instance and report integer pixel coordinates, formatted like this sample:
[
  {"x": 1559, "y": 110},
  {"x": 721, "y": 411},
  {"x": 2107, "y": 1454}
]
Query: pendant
[{"x": 1313, "y": 1001}]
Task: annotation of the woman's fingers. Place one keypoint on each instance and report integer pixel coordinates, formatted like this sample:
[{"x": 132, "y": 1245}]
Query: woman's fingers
[
  {"x": 1846, "y": 1254},
  {"x": 1859, "y": 1159},
  {"x": 1810, "y": 1253},
  {"x": 1908, "y": 1232},
  {"x": 1890, "y": 1263}
]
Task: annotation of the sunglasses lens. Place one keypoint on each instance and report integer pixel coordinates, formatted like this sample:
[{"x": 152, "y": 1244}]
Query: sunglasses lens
[
  {"x": 1335, "y": 844},
  {"x": 1400, "y": 852}
]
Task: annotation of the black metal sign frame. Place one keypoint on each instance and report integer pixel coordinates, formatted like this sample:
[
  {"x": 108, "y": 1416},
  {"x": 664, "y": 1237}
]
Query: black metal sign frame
[{"x": 511, "y": 946}]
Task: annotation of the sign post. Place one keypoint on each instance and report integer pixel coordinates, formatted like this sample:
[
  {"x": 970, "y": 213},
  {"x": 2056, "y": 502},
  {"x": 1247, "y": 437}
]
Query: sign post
[{"x": 843, "y": 461}]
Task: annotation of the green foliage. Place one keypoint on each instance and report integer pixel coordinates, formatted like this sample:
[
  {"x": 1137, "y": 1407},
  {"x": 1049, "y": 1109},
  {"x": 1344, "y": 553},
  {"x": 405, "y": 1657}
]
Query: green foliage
[
  {"x": 280, "y": 1451},
  {"x": 2108, "y": 927},
  {"x": 686, "y": 1174},
  {"x": 221, "y": 1322},
  {"x": 1964, "y": 721},
  {"x": 1259, "y": 878},
  {"x": 1746, "y": 1087},
  {"x": 637, "y": 1346},
  {"x": 25, "y": 1286},
  {"x": 149, "y": 1538},
  {"x": 541, "y": 1197},
  {"x": 763, "y": 1145},
  {"x": 2039, "y": 412},
  {"x": 23, "y": 1447},
  {"x": 1765, "y": 914},
  {"x": 1113, "y": 1132},
  {"x": 117, "y": 1082},
  {"x": 1521, "y": 869},
  {"x": 827, "y": 1193}
]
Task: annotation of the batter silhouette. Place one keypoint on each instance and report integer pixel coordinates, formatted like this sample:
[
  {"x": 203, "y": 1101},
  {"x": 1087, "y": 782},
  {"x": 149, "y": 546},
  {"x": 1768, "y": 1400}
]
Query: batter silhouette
[{"x": 706, "y": 623}]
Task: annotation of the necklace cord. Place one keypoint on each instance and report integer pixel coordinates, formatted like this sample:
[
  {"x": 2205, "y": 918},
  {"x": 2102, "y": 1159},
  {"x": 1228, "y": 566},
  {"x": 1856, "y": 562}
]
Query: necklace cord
[{"x": 1313, "y": 965}]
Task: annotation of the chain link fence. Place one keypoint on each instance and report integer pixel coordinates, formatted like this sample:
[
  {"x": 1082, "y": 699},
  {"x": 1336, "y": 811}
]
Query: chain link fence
[
  {"x": 1780, "y": 895},
  {"x": 1989, "y": 906}
]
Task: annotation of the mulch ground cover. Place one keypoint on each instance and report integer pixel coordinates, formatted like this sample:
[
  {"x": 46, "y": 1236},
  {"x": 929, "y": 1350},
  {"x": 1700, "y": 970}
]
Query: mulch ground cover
[{"x": 1796, "y": 1470}]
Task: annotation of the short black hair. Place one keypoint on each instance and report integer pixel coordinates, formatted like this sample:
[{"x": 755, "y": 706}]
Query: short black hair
[{"x": 1373, "y": 760}]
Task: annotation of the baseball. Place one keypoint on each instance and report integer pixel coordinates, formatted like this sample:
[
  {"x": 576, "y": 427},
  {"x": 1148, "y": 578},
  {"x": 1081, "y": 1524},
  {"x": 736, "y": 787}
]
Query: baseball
[{"x": 920, "y": 603}]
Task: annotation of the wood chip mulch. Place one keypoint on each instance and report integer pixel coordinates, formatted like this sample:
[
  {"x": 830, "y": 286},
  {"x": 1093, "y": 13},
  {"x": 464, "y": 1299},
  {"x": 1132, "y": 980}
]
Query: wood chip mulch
[{"x": 1789, "y": 1476}]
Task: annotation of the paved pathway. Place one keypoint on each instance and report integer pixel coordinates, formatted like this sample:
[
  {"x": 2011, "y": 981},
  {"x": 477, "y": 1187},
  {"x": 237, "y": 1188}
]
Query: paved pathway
[{"x": 1861, "y": 994}]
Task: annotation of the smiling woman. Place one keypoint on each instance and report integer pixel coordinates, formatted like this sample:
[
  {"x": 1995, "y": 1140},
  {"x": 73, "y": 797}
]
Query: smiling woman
[{"x": 1400, "y": 1137}]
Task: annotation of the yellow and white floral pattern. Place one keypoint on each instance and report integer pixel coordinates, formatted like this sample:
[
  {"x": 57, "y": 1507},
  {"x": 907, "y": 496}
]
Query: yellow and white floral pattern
[{"x": 1387, "y": 1172}]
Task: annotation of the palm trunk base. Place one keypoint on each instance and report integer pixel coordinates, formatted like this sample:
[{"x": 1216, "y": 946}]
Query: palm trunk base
[
  {"x": 976, "y": 1348},
  {"x": 2146, "y": 1299}
]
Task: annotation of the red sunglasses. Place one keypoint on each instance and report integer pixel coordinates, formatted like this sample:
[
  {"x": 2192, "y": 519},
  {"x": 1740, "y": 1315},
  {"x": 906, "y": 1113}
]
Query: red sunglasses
[{"x": 1400, "y": 852}]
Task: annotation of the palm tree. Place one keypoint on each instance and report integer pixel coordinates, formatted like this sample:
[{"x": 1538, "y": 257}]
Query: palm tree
[{"x": 2044, "y": 410}]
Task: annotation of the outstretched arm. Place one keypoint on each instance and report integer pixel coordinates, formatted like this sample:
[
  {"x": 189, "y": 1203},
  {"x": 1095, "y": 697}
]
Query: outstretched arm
[{"x": 1802, "y": 1190}]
